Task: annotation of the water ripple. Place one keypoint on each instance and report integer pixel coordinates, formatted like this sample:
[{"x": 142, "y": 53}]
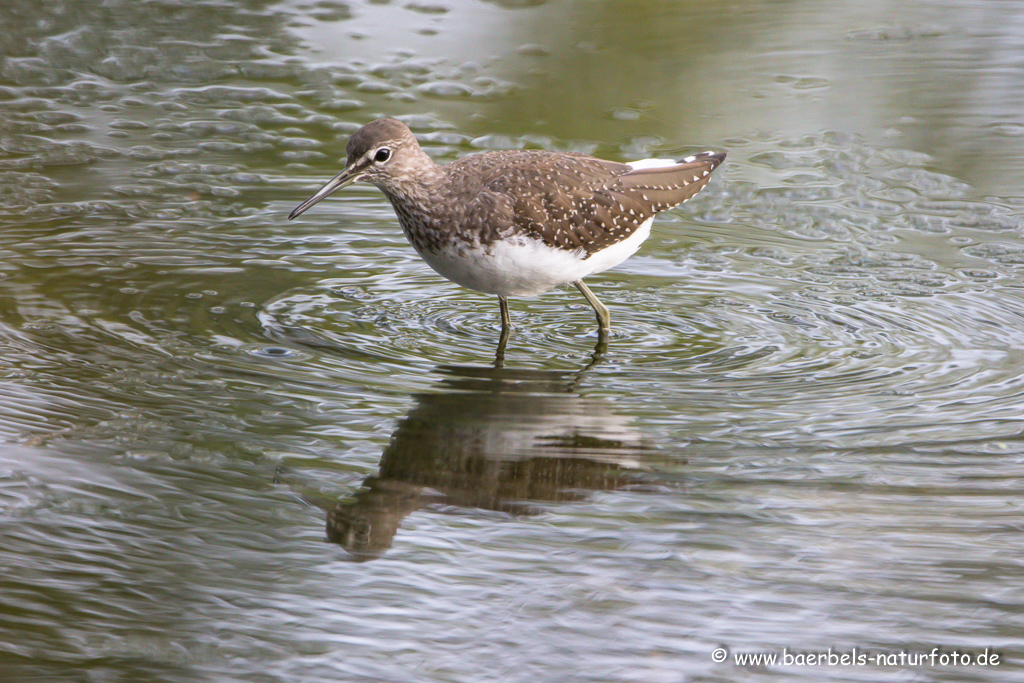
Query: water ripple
[{"x": 806, "y": 424}]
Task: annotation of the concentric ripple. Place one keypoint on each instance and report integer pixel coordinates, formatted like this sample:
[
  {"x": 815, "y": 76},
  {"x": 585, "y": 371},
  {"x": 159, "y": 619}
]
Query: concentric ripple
[{"x": 875, "y": 336}]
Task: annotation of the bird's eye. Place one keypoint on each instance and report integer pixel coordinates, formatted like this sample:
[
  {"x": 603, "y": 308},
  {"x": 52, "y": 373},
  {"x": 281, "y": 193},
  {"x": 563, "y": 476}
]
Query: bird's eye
[{"x": 382, "y": 155}]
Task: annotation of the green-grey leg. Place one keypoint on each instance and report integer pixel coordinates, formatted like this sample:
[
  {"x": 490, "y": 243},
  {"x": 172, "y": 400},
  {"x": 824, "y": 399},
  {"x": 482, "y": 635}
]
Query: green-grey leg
[
  {"x": 604, "y": 319},
  {"x": 506, "y": 319},
  {"x": 506, "y": 327}
]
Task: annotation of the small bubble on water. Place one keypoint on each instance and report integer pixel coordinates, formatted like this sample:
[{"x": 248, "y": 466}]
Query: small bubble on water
[{"x": 276, "y": 352}]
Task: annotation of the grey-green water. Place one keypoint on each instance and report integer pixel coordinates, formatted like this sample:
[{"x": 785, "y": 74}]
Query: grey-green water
[{"x": 806, "y": 433}]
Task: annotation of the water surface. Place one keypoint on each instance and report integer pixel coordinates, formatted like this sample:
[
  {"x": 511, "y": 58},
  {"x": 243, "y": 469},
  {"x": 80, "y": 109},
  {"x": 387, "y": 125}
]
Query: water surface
[{"x": 238, "y": 448}]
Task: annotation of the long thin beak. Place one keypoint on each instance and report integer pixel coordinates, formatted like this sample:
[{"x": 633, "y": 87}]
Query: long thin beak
[{"x": 346, "y": 177}]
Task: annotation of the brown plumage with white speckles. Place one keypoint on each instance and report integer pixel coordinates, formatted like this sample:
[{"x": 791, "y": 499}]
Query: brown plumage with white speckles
[{"x": 516, "y": 223}]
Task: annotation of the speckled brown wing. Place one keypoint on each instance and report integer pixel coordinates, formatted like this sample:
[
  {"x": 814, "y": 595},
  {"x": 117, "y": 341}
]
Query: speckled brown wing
[
  {"x": 662, "y": 188},
  {"x": 577, "y": 202}
]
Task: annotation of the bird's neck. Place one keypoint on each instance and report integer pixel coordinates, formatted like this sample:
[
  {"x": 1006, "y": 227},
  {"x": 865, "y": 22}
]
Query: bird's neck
[{"x": 416, "y": 183}]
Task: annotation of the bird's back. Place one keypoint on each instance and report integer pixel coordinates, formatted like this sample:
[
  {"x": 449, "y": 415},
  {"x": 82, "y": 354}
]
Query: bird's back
[{"x": 568, "y": 201}]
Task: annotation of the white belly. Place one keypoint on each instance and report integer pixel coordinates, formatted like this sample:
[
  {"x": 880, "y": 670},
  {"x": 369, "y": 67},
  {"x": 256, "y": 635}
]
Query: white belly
[{"x": 525, "y": 266}]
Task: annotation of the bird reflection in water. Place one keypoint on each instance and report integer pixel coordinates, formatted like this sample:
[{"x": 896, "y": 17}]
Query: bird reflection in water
[{"x": 492, "y": 439}]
